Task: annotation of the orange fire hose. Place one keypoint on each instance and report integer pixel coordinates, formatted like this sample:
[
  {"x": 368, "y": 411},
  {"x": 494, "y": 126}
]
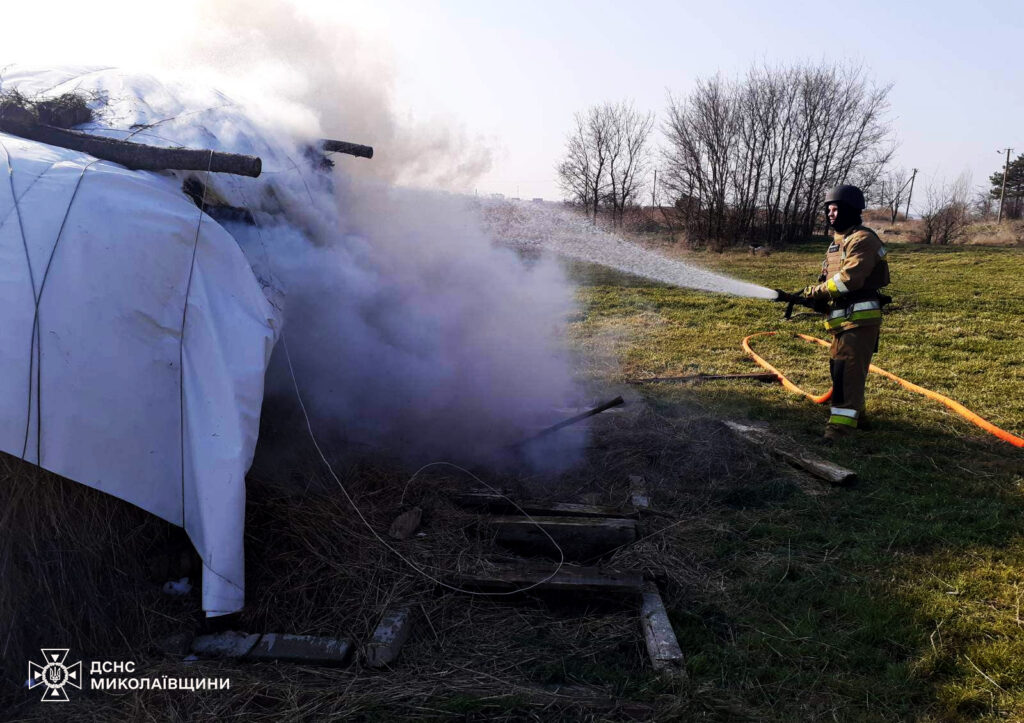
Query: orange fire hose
[{"x": 955, "y": 406}]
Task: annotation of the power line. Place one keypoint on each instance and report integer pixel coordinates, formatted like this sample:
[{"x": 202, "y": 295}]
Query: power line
[
  {"x": 1003, "y": 194},
  {"x": 911, "y": 193}
]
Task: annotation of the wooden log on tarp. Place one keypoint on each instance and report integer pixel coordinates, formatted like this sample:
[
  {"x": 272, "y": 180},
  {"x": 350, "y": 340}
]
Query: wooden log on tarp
[
  {"x": 329, "y": 145},
  {"x": 137, "y": 156},
  {"x": 579, "y": 538},
  {"x": 569, "y": 578},
  {"x": 805, "y": 460}
]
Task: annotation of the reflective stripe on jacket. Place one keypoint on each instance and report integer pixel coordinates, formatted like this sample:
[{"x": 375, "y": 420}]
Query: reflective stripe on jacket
[{"x": 855, "y": 269}]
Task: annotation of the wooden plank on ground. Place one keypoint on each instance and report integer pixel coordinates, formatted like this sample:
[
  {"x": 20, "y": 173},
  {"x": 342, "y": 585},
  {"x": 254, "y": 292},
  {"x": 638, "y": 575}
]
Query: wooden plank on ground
[
  {"x": 569, "y": 578},
  {"x": 389, "y": 637},
  {"x": 579, "y": 537},
  {"x": 795, "y": 455},
  {"x": 494, "y": 502},
  {"x": 273, "y": 646},
  {"x": 662, "y": 646}
]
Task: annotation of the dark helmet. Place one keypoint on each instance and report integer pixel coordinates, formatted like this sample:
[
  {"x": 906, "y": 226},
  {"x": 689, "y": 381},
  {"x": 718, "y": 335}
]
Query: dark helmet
[{"x": 850, "y": 195}]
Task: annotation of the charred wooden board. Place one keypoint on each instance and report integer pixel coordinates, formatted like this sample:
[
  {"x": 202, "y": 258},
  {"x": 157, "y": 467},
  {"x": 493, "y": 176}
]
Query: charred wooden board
[
  {"x": 579, "y": 538},
  {"x": 569, "y": 578},
  {"x": 494, "y": 502}
]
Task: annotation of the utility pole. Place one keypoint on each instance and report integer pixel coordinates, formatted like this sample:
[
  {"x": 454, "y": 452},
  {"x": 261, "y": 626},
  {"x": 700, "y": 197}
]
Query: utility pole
[
  {"x": 910, "y": 193},
  {"x": 654, "y": 189},
  {"x": 1002, "y": 194}
]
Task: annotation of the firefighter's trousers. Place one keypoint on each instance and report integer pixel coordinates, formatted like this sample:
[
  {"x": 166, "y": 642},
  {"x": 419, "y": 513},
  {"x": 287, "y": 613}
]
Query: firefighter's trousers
[{"x": 849, "y": 359}]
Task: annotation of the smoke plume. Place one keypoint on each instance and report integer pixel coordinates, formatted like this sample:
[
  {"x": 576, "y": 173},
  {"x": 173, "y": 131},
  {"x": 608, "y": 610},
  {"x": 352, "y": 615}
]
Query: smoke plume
[
  {"x": 408, "y": 327},
  {"x": 328, "y": 80}
]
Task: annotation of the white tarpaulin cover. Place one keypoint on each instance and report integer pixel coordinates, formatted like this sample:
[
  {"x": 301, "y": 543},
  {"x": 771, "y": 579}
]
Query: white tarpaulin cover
[{"x": 144, "y": 377}]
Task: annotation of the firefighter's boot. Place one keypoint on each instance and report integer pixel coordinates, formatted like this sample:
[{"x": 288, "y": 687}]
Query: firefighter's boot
[{"x": 836, "y": 432}]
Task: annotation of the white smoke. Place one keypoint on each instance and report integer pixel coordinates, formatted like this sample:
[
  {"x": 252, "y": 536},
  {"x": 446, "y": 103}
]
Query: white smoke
[
  {"x": 412, "y": 329},
  {"x": 407, "y": 325},
  {"x": 328, "y": 80}
]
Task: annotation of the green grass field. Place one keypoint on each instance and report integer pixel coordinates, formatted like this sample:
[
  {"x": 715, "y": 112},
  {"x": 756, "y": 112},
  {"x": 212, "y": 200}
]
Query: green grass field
[
  {"x": 895, "y": 599},
  {"x": 900, "y": 597}
]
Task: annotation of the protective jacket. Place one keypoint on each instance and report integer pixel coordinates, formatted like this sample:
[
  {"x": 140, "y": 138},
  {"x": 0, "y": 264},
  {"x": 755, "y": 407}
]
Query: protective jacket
[{"x": 854, "y": 270}]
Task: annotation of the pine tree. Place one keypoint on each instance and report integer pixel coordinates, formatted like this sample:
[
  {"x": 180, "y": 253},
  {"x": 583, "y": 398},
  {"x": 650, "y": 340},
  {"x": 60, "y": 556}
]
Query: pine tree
[{"x": 1014, "y": 204}]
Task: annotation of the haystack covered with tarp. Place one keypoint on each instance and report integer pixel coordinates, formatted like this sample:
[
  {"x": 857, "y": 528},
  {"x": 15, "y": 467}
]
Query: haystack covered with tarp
[{"x": 136, "y": 336}]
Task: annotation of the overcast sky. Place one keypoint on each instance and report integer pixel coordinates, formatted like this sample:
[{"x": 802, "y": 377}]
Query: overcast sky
[{"x": 512, "y": 74}]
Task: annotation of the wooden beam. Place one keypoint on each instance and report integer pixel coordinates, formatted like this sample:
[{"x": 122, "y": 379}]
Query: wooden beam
[
  {"x": 579, "y": 538},
  {"x": 570, "y": 578},
  {"x": 389, "y": 637},
  {"x": 790, "y": 452},
  {"x": 136, "y": 156},
  {"x": 660, "y": 638}
]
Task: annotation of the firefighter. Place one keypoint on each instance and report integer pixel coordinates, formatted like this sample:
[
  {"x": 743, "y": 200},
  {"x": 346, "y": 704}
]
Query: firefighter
[{"x": 854, "y": 270}]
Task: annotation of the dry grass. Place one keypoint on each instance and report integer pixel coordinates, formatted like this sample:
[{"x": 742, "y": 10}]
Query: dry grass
[
  {"x": 75, "y": 563},
  {"x": 978, "y": 233},
  {"x": 63, "y": 111},
  {"x": 989, "y": 233}
]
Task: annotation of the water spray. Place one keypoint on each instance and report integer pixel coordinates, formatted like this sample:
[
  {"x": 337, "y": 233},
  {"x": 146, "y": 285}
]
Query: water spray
[{"x": 561, "y": 231}]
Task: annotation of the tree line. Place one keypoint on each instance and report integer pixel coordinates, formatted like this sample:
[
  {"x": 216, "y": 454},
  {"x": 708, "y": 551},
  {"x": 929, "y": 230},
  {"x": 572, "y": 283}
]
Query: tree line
[{"x": 742, "y": 160}]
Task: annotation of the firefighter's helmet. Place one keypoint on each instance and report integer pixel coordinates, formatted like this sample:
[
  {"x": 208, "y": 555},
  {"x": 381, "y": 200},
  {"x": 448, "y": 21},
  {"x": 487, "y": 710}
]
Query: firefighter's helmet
[{"x": 850, "y": 195}]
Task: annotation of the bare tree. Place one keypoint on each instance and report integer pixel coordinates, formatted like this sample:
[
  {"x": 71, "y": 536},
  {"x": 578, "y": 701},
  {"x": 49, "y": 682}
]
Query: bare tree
[
  {"x": 606, "y": 156},
  {"x": 891, "y": 191},
  {"x": 581, "y": 174},
  {"x": 628, "y": 157},
  {"x": 701, "y": 134},
  {"x": 946, "y": 214},
  {"x": 982, "y": 204},
  {"x": 750, "y": 160}
]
